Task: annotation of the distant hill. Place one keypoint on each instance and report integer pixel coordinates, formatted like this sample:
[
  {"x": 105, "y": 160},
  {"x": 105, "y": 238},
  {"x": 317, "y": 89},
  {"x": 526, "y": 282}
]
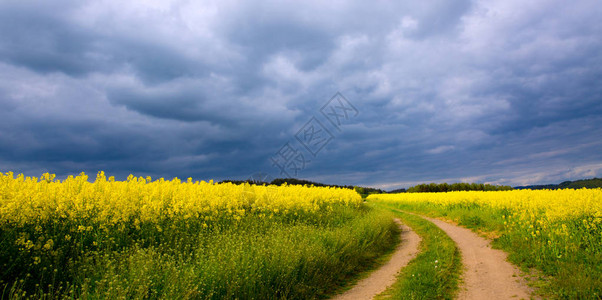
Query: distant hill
[{"x": 577, "y": 184}]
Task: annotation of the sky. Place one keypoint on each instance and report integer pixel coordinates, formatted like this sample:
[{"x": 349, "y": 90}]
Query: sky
[{"x": 385, "y": 94}]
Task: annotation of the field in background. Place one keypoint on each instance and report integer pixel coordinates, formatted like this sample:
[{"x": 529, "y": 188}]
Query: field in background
[
  {"x": 558, "y": 232},
  {"x": 171, "y": 239}
]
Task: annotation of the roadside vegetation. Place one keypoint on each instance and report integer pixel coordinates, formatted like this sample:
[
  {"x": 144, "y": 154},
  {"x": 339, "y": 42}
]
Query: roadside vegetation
[{"x": 558, "y": 232}]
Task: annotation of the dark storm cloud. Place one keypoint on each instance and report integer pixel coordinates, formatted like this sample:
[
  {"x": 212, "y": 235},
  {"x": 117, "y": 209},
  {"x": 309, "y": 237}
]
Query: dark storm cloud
[
  {"x": 490, "y": 91},
  {"x": 46, "y": 37},
  {"x": 35, "y": 35}
]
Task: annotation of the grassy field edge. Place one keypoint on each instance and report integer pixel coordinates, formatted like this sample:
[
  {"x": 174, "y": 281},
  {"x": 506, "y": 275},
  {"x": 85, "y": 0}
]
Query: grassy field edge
[{"x": 377, "y": 261}]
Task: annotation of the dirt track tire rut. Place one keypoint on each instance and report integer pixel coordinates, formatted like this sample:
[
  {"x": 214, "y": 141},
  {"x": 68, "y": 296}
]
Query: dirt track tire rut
[
  {"x": 385, "y": 276},
  {"x": 487, "y": 273}
]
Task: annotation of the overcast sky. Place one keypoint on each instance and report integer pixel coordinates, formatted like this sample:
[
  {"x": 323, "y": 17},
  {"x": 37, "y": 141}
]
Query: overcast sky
[{"x": 502, "y": 91}]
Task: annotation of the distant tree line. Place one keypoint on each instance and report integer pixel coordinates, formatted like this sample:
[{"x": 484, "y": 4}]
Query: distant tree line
[
  {"x": 461, "y": 186},
  {"x": 434, "y": 187},
  {"x": 364, "y": 191},
  {"x": 577, "y": 184}
]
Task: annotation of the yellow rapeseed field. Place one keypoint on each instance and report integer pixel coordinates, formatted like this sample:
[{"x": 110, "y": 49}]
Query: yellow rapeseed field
[
  {"x": 526, "y": 205},
  {"x": 107, "y": 201},
  {"x": 143, "y": 238}
]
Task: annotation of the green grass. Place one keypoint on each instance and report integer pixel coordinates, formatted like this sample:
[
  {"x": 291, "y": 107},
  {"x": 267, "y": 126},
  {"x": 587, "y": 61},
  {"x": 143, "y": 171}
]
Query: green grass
[
  {"x": 435, "y": 272},
  {"x": 258, "y": 258}
]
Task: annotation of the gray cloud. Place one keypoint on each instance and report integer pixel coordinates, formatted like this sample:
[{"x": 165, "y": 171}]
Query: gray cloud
[{"x": 492, "y": 91}]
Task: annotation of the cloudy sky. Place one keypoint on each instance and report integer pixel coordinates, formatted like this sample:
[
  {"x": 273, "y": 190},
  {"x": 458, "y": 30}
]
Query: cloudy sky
[{"x": 502, "y": 91}]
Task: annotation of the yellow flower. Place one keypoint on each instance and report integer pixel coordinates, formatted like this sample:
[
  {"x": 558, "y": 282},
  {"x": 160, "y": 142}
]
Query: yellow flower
[{"x": 48, "y": 244}]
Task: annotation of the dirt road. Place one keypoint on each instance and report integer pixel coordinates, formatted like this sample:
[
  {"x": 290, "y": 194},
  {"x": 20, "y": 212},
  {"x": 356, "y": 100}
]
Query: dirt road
[
  {"x": 487, "y": 274},
  {"x": 385, "y": 276}
]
